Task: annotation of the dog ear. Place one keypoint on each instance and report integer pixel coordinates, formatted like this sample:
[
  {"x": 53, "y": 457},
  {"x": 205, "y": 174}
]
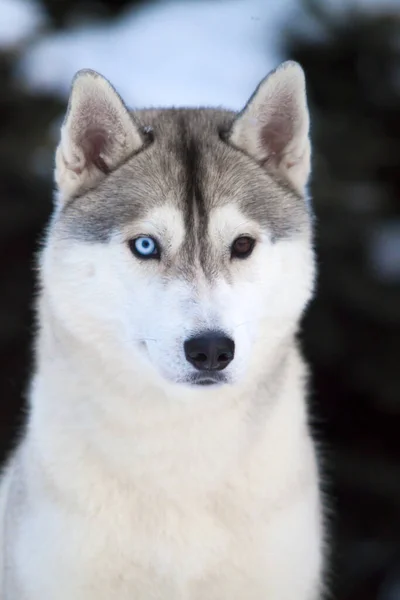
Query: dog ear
[
  {"x": 97, "y": 135},
  {"x": 273, "y": 127}
]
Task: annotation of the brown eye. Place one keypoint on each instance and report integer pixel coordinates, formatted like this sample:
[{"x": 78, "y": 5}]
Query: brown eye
[{"x": 242, "y": 247}]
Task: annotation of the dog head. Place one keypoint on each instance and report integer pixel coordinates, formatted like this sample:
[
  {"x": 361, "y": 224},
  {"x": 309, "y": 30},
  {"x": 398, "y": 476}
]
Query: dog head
[{"x": 181, "y": 241}]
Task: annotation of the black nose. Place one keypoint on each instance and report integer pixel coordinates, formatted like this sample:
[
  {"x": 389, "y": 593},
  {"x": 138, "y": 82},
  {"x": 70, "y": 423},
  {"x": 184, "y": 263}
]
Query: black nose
[{"x": 209, "y": 352}]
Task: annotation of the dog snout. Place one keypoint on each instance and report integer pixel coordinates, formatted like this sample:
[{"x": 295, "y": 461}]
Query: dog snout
[{"x": 209, "y": 351}]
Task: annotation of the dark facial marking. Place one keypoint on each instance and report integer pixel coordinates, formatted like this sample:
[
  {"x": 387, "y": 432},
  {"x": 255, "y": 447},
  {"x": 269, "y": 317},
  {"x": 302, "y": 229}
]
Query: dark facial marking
[
  {"x": 195, "y": 211},
  {"x": 185, "y": 154}
]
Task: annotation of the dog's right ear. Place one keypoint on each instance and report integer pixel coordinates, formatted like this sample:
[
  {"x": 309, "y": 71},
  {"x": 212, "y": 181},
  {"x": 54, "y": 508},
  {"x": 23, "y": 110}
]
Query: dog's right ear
[
  {"x": 97, "y": 135},
  {"x": 273, "y": 128}
]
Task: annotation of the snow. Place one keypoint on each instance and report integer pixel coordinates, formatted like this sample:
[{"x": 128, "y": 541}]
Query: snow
[
  {"x": 168, "y": 53},
  {"x": 19, "y": 20}
]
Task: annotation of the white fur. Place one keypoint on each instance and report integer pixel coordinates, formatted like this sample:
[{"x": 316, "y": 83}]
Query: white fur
[
  {"x": 98, "y": 116},
  {"x": 130, "y": 485},
  {"x": 274, "y": 126},
  {"x": 137, "y": 487}
]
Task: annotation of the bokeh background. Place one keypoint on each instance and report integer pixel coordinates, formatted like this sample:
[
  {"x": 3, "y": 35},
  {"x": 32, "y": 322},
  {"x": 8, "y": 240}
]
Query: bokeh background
[{"x": 215, "y": 52}]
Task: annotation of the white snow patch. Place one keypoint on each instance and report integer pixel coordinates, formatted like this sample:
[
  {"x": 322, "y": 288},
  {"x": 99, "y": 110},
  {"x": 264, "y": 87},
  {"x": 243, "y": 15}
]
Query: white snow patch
[
  {"x": 19, "y": 20},
  {"x": 168, "y": 53},
  {"x": 172, "y": 52}
]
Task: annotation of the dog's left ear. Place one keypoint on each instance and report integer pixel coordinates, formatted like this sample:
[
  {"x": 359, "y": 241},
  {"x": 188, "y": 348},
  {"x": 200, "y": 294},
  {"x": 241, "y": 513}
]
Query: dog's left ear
[
  {"x": 98, "y": 134},
  {"x": 273, "y": 127}
]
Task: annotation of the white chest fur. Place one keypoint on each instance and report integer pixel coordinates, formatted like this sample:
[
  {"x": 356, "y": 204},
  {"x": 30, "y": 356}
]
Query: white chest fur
[{"x": 208, "y": 502}]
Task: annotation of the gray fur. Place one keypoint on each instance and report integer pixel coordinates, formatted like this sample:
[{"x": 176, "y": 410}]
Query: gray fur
[{"x": 187, "y": 161}]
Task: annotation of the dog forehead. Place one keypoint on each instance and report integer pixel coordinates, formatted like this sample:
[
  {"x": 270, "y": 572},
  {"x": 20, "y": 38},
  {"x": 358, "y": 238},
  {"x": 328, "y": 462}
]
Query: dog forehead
[{"x": 189, "y": 167}]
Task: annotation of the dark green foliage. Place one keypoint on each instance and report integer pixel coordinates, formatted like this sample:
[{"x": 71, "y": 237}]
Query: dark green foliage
[{"x": 352, "y": 331}]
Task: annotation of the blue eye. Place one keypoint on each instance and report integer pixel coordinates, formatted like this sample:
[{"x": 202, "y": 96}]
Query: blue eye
[{"x": 144, "y": 247}]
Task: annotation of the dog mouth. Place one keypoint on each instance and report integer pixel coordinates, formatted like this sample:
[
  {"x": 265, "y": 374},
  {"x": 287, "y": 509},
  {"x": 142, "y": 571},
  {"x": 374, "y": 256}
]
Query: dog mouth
[{"x": 202, "y": 379}]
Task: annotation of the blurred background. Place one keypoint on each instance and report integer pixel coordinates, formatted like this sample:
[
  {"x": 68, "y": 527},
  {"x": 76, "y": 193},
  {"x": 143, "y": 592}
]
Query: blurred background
[{"x": 215, "y": 52}]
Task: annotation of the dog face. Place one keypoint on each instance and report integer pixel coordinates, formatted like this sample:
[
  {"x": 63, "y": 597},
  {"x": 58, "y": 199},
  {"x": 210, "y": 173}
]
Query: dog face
[{"x": 181, "y": 240}]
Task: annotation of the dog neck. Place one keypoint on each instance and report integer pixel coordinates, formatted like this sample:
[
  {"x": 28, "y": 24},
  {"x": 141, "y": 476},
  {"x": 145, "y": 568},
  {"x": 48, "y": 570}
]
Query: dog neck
[{"x": 135, "y": 426}]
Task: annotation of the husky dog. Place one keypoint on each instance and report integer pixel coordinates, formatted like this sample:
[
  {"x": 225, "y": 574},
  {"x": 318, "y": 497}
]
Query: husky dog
[{"x": 167, "y": 453}]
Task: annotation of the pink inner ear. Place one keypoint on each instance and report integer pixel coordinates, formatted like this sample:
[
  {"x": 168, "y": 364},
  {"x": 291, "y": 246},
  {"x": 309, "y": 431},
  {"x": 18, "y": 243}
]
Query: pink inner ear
[
  {"x": 94, "y": 144},
  {"x": 276, "y": 135}
]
